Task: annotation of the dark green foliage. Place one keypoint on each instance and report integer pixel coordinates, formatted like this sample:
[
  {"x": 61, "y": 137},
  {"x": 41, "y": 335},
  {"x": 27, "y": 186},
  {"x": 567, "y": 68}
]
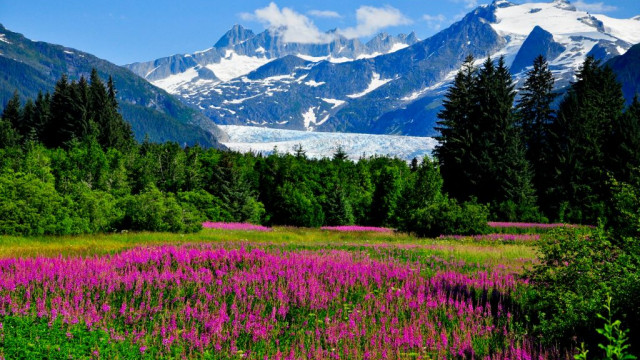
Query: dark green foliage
[
  {"x": 338, "y": 208},
  {"x": 624, "y": 145},
  {"x": 480, "y": 152},
  {"x": 580, "y": 144},
  {"x": 535, "y": 116},
  {"x": 449, "y": 217},
  {"x": 8, "y": 135},
  {"x": 455, "y": 126},
  {"x": 154, "y": 210},
  {"x": 298, "y": 207},
  {"x": 388, "y": 188},
  {"x": 11, "y": 112},
  {"x": 30, "y": 206},
  {"x": 579, "y": 268}
]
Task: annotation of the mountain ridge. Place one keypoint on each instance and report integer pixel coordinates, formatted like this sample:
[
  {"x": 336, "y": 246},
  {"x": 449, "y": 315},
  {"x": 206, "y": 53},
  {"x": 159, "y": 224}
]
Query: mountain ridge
[
  {"x": 32, "y": 66},
  {"x": 397, "y": 92}
]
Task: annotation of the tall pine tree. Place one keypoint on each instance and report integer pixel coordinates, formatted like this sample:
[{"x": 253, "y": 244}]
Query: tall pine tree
[
  {"x": 535, "y": 116},
  {"x": 454, "y": 142},
  {"x": 624, "y": 147},
  {"x": 581, "y": 136},
  {"x": 479, "y": 150}
]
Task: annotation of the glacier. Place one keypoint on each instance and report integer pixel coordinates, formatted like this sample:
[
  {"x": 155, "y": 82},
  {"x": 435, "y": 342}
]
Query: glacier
[{"x": 318, "y": 145}]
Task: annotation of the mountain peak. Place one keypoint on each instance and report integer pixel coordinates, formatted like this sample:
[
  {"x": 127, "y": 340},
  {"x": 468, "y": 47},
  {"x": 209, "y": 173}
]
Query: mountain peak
[
  {"x": 564, "y": 5},
  {"x": 501, "y": 3},
  {"x": 236, "y": 35}
]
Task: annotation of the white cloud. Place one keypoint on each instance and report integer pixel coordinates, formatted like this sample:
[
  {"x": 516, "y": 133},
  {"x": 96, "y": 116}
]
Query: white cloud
[
  {"x": 593, "y": 7},
  {"x": 371, "y": 20},
  {"x": 324, "y": 14},
  {"x": 434, "y": 21},
  {"x": 291, "y": 25}
]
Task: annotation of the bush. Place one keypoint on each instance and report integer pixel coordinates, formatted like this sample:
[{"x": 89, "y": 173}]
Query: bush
[
  {"x": 448, "y": 217},
  {"x": 30, "y": 206},
  {"x": 153, "y": 210},
  {"x": 578, "y": 269},
  {"x": 94, "y": 211},
  {"x": 208, "y": 206},
  {"x": 298, "y": 207}
]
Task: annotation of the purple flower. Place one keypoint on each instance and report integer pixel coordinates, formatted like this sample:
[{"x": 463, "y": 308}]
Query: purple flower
[
  {"x": 234, "y": 226},
  {"x": 357, "y": 228}
]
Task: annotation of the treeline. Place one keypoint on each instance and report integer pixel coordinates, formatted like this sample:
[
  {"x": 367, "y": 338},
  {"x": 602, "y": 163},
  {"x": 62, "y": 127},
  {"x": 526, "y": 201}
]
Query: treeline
[
  {"x": 68, "y": 164},
  {"x": 525, "y": 159},
  {"x": 75, "y": 111}
]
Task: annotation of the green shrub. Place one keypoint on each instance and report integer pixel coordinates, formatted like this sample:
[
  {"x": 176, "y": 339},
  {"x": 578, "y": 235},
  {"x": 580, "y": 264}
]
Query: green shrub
[
  {"x": 448, "y": 217},
  {"x": 30, "y": 206},
  {"x": 153, "y": 210},
  {"x": 578, "y": 268},
  {"x": 208, "y": 206},
  {"x": 94, "y": 211}
]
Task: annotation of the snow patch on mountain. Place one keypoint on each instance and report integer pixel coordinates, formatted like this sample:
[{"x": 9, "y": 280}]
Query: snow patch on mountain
[
  {"x": 172, "y": 83},
  {"x": 308, "y": 118},
  {"x": 4, "y": 39},
  {"x": 334, "y": 102},
  {"x": 313, "y": 83},
  {"x": 323, "y": 144},
  {"x": 375, "y": 83},
  {"x": 234, "y": 65},
  {"x": 625, "y": 29},
  {"x": 398, "y": 46}
]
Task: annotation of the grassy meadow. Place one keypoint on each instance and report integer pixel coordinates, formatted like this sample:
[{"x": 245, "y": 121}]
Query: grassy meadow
[{"x": 287, "y": 293}]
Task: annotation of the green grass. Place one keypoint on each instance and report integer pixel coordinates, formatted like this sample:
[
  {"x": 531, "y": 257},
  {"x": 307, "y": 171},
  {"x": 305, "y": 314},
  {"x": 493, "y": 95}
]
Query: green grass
[{"x": 511, "y": 256}]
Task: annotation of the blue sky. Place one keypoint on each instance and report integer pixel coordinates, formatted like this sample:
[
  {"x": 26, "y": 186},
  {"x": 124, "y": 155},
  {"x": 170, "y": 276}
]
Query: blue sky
[{"x": 124, "y": 31}]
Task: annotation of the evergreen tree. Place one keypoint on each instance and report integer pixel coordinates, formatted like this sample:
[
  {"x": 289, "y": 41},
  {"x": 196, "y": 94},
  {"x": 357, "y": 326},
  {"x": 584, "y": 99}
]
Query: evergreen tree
[
  {"x": 624, "y": 145},
  {"x": 479, "y": 151},
  {"x": 581, "y": 135},
  {"x": 27, "y": 121},
  {"x": 9, "y": 137},
  {"x": 42, "y": 115},
  {"x": 338, "y": 210},
  {"x": 60, "y": 129},
  {"x": 82, "y": 116},
  {"x": 535, "y": 116},
  {"x": 510, "y": 175},
  {"x": 115, "y": 132},
  {"x": 11, "y": 112},
  {"x": 454, "y": 142}
]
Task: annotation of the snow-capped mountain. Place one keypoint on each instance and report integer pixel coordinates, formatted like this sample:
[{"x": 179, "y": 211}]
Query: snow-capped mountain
[
  {"x": 390, "y": 85},
  {"x": 240, "y": 51}
]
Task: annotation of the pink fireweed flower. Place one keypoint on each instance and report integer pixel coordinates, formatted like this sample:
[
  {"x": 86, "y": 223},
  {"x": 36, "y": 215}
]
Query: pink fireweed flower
[
  {"x": 495, "y": 237},
  {"x": 192, "y": 299},
  {"x": 357, "y": 228},
  {"x": 497, "y": 224},
  {"x": 234, "y": 226}
]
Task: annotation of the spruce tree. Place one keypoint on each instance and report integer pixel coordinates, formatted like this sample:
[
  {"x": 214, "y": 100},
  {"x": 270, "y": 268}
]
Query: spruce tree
[
  {"x": 581, "y": 136},
  {"x": 42, "y": 115},
  {"x": 624, "y": 148},
  {"x": 61, "y": 126},
  {"x": 27, "y": 116},
  {"x": 535, "y": 116},
  {"x": 454, "y": 142},
  {"x": 504, "y": 174},
  {"x": 11, "y": 112},
  {"x": 83, "y": 119}
]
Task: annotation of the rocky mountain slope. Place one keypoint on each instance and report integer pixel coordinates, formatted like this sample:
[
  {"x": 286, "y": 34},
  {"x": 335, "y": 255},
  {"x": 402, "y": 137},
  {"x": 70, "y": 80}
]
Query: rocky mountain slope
[
  {"x": 391, "y": 85},
  {"x": 30, "y": 66}
]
